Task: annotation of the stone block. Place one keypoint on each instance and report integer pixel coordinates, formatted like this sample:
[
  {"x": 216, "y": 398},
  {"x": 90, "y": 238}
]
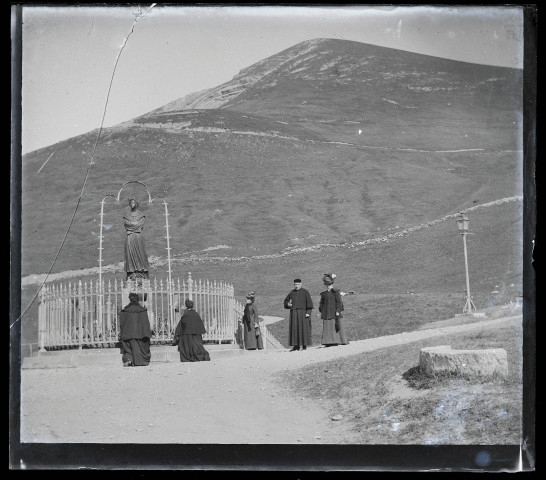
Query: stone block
[{"x": 474, "y": 363}]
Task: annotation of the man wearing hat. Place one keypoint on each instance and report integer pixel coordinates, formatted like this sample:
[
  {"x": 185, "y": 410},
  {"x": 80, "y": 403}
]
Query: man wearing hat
[
  {"x": 330, "y": 308},
  {"x": 299, "y": 324}
]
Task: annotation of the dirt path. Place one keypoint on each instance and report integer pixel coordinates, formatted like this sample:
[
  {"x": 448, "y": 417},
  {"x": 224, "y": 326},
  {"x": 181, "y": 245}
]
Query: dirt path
[
  {"x": 227, "y": 400},
  {"x": 230, "y": 400}
]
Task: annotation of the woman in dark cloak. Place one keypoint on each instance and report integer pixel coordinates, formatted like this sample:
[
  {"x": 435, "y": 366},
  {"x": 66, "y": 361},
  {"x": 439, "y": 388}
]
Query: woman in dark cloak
[
  {"x": 330, "y": 308},
  {"x": 251, "y": 326},
  {"x": 135, "y": 333},
  {"x": 136, "y": 259},
  {"x": 188, "y": 336}
]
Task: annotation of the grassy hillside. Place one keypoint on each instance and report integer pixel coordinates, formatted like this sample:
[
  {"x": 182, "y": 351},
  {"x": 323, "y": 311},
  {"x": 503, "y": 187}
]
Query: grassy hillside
[
  {"x": 400, "y": 284},
  {"x": 254, "y": 194},
  {"x": 329, "y": 142}
]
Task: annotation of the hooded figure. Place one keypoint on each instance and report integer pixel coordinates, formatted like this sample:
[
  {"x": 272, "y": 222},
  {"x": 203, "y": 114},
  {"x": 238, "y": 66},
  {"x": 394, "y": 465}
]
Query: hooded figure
[
  {"x": 188, "y": 336},
  {"x": 330, "y": 308},
  {"x": 135, "y": 333}
]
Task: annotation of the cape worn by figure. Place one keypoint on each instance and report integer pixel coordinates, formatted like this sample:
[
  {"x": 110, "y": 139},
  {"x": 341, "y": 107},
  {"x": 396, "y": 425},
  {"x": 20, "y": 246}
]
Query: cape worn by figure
[
  {"x": 135, "y": 333},
  {"x": 188, "y": 337},
  {"x": 299, "y": 326},
  {"x": 333, "y": 328},
  {"x": 251, "y": 328}
]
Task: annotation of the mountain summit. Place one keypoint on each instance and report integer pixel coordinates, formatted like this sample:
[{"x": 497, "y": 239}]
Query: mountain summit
[
  {"x": 319, "y": 83},
  {"x": 321, "y": 61}
]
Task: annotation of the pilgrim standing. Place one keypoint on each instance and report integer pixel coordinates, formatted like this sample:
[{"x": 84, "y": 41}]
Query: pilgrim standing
[
  {"x": 330, "y": 308},
  {"x": 188, "y": 336},
  {"x": 299, "y": 324},
  {"x": 251, "y": 326},
  {"x": 135, "y": 333}
]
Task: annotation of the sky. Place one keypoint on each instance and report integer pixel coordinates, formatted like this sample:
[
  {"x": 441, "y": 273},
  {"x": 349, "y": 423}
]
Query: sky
[{"x": 85, "y": 65}]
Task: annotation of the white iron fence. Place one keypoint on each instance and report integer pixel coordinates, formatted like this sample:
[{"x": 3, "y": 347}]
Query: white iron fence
[{"x": 86, "y": 314}]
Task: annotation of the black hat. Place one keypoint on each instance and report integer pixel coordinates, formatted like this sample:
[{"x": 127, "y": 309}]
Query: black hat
[
  {"x": 133, "y": 297},
  {"x": 250, "y": 295},
  {"x": 189, "y": 303},
  {"x": 329, "y": 278},
  {"x": 297, "y": 280}
]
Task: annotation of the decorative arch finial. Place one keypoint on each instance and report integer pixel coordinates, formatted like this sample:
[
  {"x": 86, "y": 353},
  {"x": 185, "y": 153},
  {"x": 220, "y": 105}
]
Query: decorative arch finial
[{"x": 138, "y": 182}]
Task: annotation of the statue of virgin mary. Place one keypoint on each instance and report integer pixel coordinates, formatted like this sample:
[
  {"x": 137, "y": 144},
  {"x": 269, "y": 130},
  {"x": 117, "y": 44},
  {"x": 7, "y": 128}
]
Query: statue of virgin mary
[{"x": 136, "y": 259}]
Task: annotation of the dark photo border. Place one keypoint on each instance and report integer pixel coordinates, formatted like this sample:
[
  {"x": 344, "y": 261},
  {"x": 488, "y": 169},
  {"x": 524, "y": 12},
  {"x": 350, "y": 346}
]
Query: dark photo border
[{"x": 296, "y": 458}]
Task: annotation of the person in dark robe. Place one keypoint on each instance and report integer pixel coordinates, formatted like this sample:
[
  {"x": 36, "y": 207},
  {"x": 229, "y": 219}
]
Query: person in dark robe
[
  {"x": 299, "y": 324},
  {"x": 252, "y": 334},
  {"x": 136, "y": 258},
  {"x": 330, "y": 308},
  {"x": 188, "y": 336},
  {"x": 135, "y": 333}
]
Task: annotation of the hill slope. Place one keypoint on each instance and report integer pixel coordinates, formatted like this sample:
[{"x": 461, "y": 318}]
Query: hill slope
[{"x": 328, "y": 141}]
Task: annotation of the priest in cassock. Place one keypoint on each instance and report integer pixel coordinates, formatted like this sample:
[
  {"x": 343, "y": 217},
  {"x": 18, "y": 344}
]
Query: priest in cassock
[
  {"x": 135, "y": 333},
  {"x": 188, "y": 336},
  {"x": 299, "y": 324}
]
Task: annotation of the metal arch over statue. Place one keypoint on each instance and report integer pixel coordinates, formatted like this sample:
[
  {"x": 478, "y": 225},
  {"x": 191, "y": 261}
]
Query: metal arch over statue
[
  {"x": 87, "y": 313},
  {"x": 135, "y": 256}
]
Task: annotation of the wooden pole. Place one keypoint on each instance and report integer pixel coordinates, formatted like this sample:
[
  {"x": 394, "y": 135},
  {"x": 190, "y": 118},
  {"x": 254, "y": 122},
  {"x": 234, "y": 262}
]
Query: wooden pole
[{"x": 171, "y": 305}]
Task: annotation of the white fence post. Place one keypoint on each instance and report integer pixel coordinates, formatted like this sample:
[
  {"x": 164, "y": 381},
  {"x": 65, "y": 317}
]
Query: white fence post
[
  {"x": 190, "y": 287},
  {"x": 80, "y": 315}
]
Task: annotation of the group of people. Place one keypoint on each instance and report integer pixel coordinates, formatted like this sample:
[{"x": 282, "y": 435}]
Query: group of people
[
  {"x": 299, "y": 302},
  {"x": 135, "y": 330},
  {"x": 135, "y": 334},
  {"x": 135, "y": 326}
]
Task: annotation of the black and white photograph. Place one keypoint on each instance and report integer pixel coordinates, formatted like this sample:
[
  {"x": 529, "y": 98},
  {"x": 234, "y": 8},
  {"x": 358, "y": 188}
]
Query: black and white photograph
[{"x": 307, "y": 231}]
